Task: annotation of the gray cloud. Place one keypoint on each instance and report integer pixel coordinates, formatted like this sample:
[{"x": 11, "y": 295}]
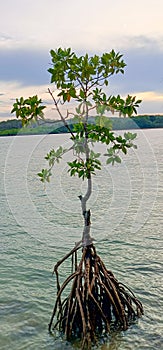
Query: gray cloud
[
  {"x": 5, "y": 116},
  {"x": 144, "y": 71},
  {"x": 28, "y": 67},
  {"x": 5, "y": 37}
]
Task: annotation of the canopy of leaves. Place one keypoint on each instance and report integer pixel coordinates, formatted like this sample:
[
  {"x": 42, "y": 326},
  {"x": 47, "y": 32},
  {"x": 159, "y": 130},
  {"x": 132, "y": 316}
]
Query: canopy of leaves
[
  {"x": 81, "y": 79},
  {"x": 29, "y": 109}
]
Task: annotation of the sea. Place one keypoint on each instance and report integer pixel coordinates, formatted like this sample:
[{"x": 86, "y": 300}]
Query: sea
[{"x": 40, "y": 224}]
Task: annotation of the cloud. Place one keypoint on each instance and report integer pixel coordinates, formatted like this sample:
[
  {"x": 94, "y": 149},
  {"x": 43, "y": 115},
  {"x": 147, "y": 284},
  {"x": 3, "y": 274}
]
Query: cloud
[
  {"x": 152, "y": 102},
  {"x": 144, "y": 70},
  {"x": 5, "y": 37},
  {"x": 23, "y": 72},
  {"x": 144, "y": 65},
  {"x": 28, "y": 67},
  {"x": 80, "y": 24}
]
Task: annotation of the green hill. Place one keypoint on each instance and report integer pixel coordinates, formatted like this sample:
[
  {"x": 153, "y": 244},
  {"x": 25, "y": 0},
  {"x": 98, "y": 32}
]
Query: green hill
[{"x": 13, "y": 126}]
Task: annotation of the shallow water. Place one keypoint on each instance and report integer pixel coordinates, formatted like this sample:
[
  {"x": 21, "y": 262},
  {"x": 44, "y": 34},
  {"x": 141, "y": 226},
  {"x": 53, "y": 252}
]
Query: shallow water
[{"x": 38, "y": 226}]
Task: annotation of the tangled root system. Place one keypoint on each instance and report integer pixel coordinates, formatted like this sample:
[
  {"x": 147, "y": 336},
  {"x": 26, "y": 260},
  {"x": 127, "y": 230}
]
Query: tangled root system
[{"x": 97, "y": 302}]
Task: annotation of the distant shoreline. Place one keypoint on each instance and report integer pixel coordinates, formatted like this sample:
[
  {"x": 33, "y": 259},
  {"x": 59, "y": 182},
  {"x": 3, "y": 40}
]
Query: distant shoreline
[{"x": 14, "y": 127}]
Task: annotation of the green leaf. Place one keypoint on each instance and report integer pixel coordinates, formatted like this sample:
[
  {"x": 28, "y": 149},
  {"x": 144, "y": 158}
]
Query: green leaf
[
  {"x": 82, "y": 94},
  {"x": 28, "y": 110},
  {"x": 124, "y": 150},
  {"x": 45, "y": 175},
  {"x": 129, "y": 136},
  {"x": 117, "y": 159},
  {"x": 109, "y": 160}
]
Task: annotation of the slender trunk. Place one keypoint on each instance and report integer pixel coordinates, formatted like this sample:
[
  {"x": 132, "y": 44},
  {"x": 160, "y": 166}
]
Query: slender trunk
[{"x": 86, "y": 238}]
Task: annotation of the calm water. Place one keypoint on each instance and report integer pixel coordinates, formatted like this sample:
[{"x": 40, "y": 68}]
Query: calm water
[{"x": 38, "y": 226}]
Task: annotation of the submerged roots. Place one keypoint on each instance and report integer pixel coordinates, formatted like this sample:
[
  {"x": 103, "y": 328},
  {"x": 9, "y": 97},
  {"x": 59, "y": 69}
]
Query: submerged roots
[{"x": 97, "y": 302}]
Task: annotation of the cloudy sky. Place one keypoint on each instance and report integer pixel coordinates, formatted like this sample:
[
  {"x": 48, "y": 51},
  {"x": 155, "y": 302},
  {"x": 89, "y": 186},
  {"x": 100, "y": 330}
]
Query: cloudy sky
[{"x": 29, "y": 29}]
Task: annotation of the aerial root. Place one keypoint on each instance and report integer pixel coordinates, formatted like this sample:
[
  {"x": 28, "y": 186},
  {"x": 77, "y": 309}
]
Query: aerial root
[{"x": 97, "y": 302}]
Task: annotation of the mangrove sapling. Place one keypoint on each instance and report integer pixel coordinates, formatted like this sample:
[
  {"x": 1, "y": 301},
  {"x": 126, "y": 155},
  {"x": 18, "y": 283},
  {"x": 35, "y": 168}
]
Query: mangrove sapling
[{"x": 97, "y": 301}]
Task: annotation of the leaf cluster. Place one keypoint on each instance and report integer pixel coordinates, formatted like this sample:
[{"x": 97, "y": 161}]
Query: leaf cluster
[
  {"x": 81, "y": 78},
  {"x": 125, "y": 107},
  {"x": 45, "y": 175},
  {"x": 29, "y": 109},
  {"x": 75, "y": 76},
  {"x": 54, "y": 156},
  {"x": 85, "y": 168},
  {"x": 98, "y": 133},
  {"x": 120, "y": 144}
]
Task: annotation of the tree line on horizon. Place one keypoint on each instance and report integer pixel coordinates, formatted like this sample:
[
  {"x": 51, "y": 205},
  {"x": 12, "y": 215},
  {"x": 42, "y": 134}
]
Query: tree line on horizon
[{"x": 14, "y": 126}]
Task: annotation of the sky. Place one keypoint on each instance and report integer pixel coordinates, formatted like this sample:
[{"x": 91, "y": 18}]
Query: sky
[{"x": 29, "y": 29}]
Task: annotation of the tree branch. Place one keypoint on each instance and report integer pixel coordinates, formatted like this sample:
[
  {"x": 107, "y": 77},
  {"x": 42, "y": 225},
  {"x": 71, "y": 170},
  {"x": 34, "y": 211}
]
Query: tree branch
[{"x": 60, "y": 114}]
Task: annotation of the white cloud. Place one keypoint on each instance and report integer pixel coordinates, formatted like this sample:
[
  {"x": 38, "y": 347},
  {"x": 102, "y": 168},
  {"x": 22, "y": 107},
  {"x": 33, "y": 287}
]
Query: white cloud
[
  {"x": 80, "y": 24},
  {"x": 152, "y": 102},
  {"x": 151, "y": 96}
]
